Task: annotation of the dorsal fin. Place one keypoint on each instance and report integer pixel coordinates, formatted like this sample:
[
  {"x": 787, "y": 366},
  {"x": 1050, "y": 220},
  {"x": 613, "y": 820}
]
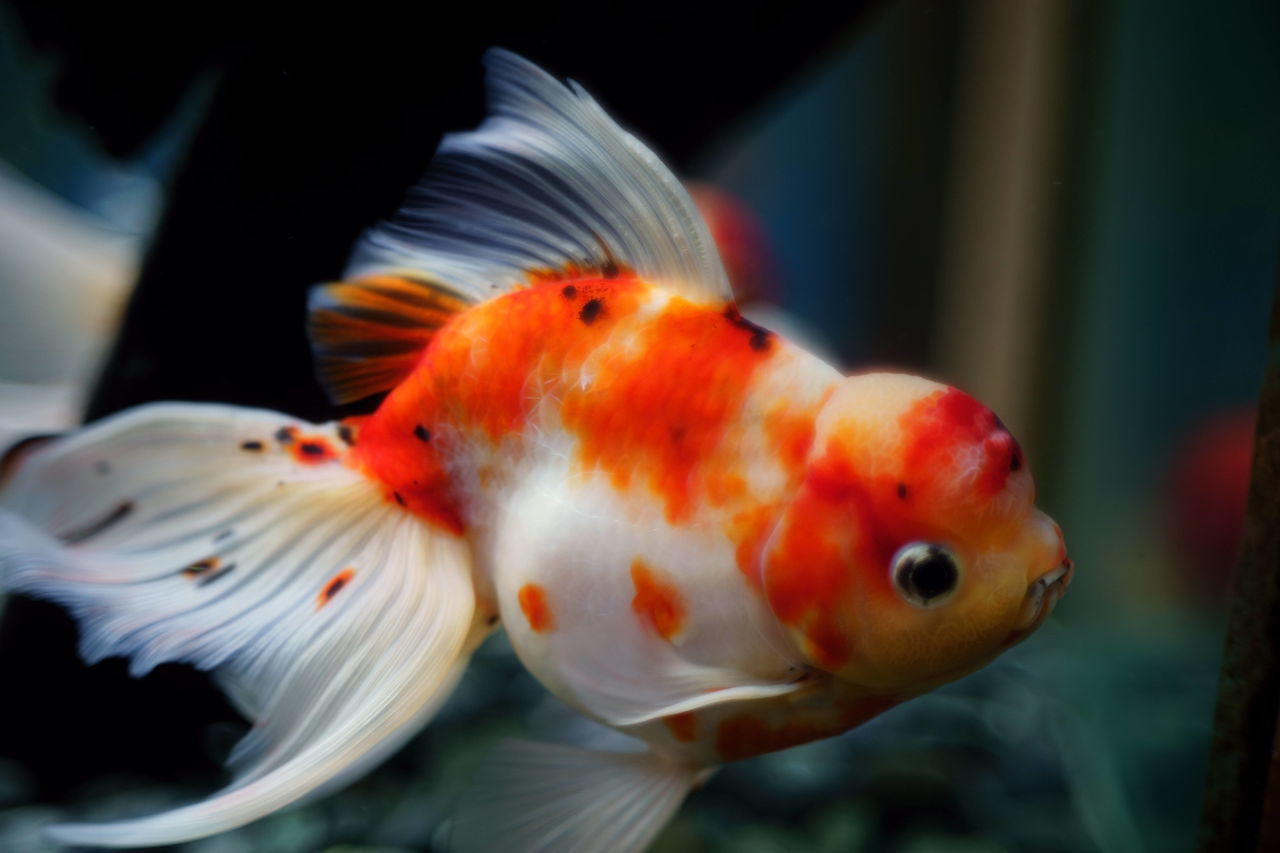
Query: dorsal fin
[{"x": 548, "y": 182}]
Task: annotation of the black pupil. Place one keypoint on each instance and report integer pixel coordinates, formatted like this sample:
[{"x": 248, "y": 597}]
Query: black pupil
[{"x": 930, "y": 575}]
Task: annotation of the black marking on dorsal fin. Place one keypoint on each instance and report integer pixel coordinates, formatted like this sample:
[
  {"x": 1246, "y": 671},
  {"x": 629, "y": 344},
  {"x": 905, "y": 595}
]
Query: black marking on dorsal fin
[{"x": 368, "y": 333}]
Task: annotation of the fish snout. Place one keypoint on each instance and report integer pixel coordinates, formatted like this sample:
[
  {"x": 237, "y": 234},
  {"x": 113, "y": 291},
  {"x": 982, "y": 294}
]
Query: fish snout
[{"x": 1042, "y": 596}]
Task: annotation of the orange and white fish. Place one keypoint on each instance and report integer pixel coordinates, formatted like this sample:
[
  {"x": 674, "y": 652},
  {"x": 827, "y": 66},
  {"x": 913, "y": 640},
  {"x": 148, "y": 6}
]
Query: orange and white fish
[{"x": 693, "y": 532}]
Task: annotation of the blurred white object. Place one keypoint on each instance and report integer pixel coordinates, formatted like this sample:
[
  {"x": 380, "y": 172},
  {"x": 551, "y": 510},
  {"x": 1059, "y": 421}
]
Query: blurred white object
[{"x": 64, "y": 278}]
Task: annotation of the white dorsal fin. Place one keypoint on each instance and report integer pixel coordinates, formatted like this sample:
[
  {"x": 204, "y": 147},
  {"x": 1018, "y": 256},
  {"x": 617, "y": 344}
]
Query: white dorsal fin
[
  {"x": 548, "y": 798},
  {"x": 547, "y": 182},
  {"x": 238, "y": 540}
]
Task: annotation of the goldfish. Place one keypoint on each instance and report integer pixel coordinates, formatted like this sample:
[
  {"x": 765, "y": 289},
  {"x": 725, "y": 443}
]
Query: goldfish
[{"x": 692, "y": 531}]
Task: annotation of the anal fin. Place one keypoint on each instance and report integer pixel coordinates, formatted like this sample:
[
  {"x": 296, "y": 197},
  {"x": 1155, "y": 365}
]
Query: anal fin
[{"x": 541, "y": 797}]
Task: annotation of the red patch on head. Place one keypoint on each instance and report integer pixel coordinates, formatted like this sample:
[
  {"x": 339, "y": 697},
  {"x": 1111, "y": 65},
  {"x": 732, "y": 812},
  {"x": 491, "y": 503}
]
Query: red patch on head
[
  {"x": 658, "y": 602},
  {"x": 950, "y": 422},
  {"x": 533, "y": 603},
  {"x": 334, "y": 586},
  {"x": 683, "y": 727}
]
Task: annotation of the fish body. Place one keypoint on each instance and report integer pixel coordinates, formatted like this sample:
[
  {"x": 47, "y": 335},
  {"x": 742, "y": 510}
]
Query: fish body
[
  {"x": 611, "y": 452},
  {"x": 693, "y": 531}
]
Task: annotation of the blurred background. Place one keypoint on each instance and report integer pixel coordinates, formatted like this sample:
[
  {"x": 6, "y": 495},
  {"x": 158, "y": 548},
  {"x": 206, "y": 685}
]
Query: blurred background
[{"x": 1069, "y": 209}]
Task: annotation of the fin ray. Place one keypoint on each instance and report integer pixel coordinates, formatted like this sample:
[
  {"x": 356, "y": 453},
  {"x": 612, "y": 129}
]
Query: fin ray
[
  {"x": 548, "y": 181},
  {"x": 368, "y": 334},
  {"x": 547, "y": 185}
]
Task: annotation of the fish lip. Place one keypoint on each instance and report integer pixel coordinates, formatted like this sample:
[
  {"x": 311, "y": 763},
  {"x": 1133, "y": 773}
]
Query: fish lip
[{"x": 1042, "y": 596}]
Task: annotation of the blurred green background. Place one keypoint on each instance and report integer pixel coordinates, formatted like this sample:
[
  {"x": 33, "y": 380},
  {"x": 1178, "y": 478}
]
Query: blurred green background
[{"x": 1070, "y": 210}]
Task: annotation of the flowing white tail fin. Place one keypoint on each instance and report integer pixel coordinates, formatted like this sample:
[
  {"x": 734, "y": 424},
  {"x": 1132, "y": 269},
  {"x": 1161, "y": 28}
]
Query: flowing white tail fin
[{"x": 239, "y": 541}]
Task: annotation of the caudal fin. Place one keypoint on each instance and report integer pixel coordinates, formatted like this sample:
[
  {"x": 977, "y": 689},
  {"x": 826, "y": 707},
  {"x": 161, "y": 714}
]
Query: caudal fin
[
  {"x": 542, "y": 797},
  {"x": 239, "y": 541},
  {"x": 63, "y": 282}
]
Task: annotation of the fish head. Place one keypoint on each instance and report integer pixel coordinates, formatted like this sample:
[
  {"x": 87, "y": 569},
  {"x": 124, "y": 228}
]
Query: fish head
[{"x": 912, "y": 552}]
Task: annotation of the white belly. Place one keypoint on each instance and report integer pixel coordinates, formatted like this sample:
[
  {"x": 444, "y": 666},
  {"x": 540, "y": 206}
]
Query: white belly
[{"x": 587, "y": 630}]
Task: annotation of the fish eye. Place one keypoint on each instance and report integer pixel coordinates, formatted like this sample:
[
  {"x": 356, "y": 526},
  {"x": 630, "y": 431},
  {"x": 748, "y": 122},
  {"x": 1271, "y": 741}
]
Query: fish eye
[{"x": 925, "y": 574}]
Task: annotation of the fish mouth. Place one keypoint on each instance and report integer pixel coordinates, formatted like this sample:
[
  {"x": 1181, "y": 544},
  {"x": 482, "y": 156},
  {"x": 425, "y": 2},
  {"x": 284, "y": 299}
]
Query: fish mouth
[{"x": 1042, "y": 595}]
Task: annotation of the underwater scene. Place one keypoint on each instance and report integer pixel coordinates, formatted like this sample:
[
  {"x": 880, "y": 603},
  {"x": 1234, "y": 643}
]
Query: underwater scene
[{"x": 1069, "y": 211}]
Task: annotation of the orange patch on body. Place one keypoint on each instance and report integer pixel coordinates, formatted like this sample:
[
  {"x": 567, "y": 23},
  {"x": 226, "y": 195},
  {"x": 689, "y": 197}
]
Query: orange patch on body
[
  {"x": 658, "y": 413},
  {"x": 658, "y": 602},
  {"x": 334, "y": 586},
  {"x": 683, "y": 727},
  {"x": 479, "y": 380},
  {"x": 790, "y": 432},
  {"x": 533, "y": 603}
]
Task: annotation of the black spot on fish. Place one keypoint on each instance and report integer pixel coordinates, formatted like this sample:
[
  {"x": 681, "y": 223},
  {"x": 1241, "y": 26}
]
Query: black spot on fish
[
  {"x": 251, "y": 445},
  {"x": 492, "y": 620},
  {"x": 1015, "y": 462},
  {"x": 590, "y": 311},
  {"x": 208, "y": 578},
  {"x": 79, "y": 534},
  {"x": 335, "y": 585},
  {"x": 569, "y": 291},
  {"x": 609, "y": 269},
  {"x": 102, "y": 467},
  {"x": 902, "y": 491},
  {"x": 310, "y": 448},
  {"x": 399, "y": 498},
  {"x": 347, "y": 435},
  {"x": 285, "y": 435},
  {"x": 422, "y": 433},
  {"x": 760, "y": 336},
  {"x": 200, "y": 567}
]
